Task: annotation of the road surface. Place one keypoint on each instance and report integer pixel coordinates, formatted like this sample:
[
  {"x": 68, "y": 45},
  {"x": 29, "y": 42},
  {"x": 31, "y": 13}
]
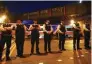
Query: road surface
[{"x": 69, "y": 56}]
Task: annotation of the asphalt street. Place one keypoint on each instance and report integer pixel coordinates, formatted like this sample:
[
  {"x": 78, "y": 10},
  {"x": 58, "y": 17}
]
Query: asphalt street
[{"x": 69, "y": 56}]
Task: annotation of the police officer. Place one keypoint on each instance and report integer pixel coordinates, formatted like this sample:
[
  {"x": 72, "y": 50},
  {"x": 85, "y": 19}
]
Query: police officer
[
  {"x": 34, "y": 36},
  {"x": 87, "y": 35},
  {"x": 76, "y": 36},
  {"x": 61, "y": 30},
  {"x": 20, "y": 37},
  {"x": 47, "y": 36},
  {"x": 6, "y": 37}
]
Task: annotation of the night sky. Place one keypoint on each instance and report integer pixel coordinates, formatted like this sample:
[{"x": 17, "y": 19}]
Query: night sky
[{"x": 17, "y": 7}]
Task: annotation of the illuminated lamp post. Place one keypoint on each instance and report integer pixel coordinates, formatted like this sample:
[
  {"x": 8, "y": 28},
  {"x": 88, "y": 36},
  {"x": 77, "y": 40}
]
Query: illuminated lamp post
[{"x": 2, "y": 18}]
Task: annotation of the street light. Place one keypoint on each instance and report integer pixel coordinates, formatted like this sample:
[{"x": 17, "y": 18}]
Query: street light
[
  {"x": 2, "y": 18},
  {"x": 72, "y": 22}
]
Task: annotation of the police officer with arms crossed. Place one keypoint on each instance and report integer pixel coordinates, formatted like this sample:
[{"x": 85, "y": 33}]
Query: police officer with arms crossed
[
  {"x": 20, "y": 37},
  {"x": 34, "y": 36},
  {"x": 47, "y": 36},
  {"x": 61, "y": 30},
  {"x": 87, "y": 34},
  {"x": 6, "y": 37},
  {"x": 76, "y": 35}
]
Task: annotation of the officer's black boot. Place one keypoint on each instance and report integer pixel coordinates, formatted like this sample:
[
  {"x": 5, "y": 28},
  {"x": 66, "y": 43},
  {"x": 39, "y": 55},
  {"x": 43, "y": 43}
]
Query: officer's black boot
[
  {"x": 38, "y": 52},
  {"x": 49, "y": 49}
]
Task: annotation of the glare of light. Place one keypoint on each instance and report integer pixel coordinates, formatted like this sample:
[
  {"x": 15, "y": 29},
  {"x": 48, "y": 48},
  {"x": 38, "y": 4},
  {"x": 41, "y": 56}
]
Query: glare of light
[
  {"x": 1, "y": 20},
  {"x": 59, "y": 60},
  {"x": 41, "y": 26},
  {"x": 41, "y": 63},
  {"x": 3, "y": 17},
  {"x": 80, "y": 1},
  {"x": 82, "y": 55},
  {"x": 72, "y": 22},
  {"x": 71, "y": 58}
]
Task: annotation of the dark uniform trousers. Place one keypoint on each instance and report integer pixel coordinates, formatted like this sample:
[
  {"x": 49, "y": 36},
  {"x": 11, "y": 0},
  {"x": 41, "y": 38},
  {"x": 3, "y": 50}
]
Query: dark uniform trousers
[
  {"x": 76, "y": 37},
  {"x": 86, "y": 38},
  {"x": 62, "y": 37},
  {"x": 76, "y": 40},
  {"x": 61, "y": 41},
  {"x": 47, "y": 42},
  {"x": 20, "y": 37},
  {"x": 5, "y": 39},
  {"x": 19, "y": 46},
  {"x": 34, "y": 39}
]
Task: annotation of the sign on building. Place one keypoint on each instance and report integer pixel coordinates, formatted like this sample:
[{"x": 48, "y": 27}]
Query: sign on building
[{"x": 58, "y": 11}]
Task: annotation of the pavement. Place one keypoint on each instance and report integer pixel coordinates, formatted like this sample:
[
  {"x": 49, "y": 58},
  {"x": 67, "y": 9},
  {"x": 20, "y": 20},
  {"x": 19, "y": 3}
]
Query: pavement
[{"x": 69, "y": 56}]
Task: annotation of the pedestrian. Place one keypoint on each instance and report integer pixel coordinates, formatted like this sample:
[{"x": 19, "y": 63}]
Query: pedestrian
[
  {"x": 6, "y": 37},
  {"x": 34, "y": 36},
  {"x": 61, "y": 30},
  {"x": 20, "y": 37},
  {"x": 87, "y": 32},
  {"x": 47, "y": 28},
  {"x": 76, "y": 35}
]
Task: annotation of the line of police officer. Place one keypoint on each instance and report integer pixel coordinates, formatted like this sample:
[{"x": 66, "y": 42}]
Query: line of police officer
[
  {"x": 20, "y": 29},
  {"x": 6, "y": 37}
]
